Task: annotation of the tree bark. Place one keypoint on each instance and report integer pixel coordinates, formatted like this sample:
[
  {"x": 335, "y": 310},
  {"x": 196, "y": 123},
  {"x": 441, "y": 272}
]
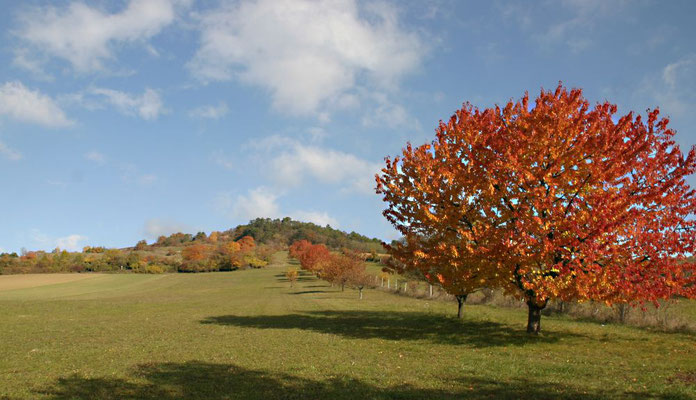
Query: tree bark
[
  {"x": 534, "y": 318},
  {"x": 431, "y": 290},
  {"x": 461, "y": 298},
  {"x": 360, "y": 289},
  {"x": 343, "y": 286}
]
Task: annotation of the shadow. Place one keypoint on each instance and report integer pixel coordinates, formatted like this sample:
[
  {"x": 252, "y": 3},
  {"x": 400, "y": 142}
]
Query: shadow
[
  {"x": 316, "y": 286},
  {"x": 201, "y": 380},
  {"x": 312, "y": 291},
  {"x": 415, "y": 326}
]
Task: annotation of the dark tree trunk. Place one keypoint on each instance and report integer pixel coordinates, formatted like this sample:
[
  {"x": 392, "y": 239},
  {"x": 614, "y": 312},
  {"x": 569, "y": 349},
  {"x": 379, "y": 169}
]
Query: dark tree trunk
[
  {"x": 461, "y": 298},
  {"x": 343, "y": 286},
  {"x": 534, "y": 319}
]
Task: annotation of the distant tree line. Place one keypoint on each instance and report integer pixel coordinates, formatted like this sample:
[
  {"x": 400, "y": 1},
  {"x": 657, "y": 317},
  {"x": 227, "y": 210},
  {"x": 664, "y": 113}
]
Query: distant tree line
[
  {"x": 204, "y": 254},
  {"x": 246, "y": 246},
  {"x": 284, "y": 232}
]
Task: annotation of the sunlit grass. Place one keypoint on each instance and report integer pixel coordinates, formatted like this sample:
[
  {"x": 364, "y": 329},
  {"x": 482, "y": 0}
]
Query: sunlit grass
[{"x": 247, "y": 334}]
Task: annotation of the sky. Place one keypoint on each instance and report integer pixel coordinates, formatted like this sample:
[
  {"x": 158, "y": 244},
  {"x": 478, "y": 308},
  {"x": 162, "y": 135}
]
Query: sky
[{"x": 124, "y": 120}]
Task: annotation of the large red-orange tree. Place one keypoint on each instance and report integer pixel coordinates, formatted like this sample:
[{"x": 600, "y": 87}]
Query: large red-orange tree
[
  {"x": 551, "y": 200},
  {"x": 313, "y": 257}
]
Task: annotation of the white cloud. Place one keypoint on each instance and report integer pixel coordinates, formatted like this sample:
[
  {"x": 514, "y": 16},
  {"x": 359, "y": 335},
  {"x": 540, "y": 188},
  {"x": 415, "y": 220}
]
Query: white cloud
[
  {"x": 297, "y": 162},
  {"x": 220, "y": 159},
  {"x": 132, "y": 175},
  {"x": 319, "y": 218},
  {"x": 574, "y": 31},
  {"x": 673, "y": 89},
  {"x": 148, "y": 105},
  {"x": 262, "y": 202},
  {"x": 26, "y": 105},
  {"x": 96, "y": 157},
  {"x": 210, "y": 111},
  {"x": 257, "y": 203},
  {"x": 674, "y": 73},
  {"x": 390, "y": 114},
  {"x": 71, "y": 242},
  {"x": 309, "y": 55},
  {"x": 9, "y": 153},
  {"x": 147, "y": 179},
  {"x": 157, "y": 227},
  {"x": 86, "y": 36}
]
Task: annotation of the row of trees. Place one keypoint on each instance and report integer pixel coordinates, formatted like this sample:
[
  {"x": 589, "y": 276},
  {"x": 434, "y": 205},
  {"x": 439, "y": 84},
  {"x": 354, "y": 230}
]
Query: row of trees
[
  {"x": 341, "y": 269},
  {"x": 555, "y": 201}
]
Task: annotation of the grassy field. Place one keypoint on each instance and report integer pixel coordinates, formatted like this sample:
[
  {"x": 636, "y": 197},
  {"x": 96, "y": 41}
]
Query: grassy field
[{"x": 247, "y": 335}]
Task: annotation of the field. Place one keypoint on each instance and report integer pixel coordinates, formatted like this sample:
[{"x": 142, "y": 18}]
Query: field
[{"x": 248, "y": 335}]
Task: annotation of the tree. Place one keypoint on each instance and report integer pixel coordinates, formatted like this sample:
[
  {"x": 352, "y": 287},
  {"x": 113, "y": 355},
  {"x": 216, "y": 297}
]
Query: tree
[
  {"x": 559, "y": 200},
  {"x": 347, "y": 268},
  {"x": 247, "y": 244},
  {"x": 298, "y": 247},
  {"x": 314, "y": 258},
  {"x": 292, "y": 274},
  {"x": 357, "y": 277}
]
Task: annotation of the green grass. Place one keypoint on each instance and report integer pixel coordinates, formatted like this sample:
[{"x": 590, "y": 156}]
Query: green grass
[{"x": 247, "y": 335}]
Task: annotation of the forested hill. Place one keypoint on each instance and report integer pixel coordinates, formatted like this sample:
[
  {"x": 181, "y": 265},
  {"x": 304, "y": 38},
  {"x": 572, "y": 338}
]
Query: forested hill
[{"x": 285, "y": 231}]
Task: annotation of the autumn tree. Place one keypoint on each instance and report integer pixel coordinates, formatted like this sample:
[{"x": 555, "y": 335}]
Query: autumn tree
[
  {"x": 314, "y": 258},
  {"x": 196, "y": 258},
  {"x": 556, "y": 200},
  {"x": 247, "y": 244},
  {"x": 292, "y": 274},
  {"x": 298, "y": 247},
  {"x": 346, "y": 268}
]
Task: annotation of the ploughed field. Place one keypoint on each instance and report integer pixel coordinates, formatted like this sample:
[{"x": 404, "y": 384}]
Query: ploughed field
[{"x": 248, "y": 335}]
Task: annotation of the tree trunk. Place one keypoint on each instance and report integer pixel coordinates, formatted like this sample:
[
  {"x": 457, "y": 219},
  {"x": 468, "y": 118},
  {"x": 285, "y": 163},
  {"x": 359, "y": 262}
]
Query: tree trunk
[
  {"x": 534, "y": 318},
  {"x": 431, "y": 290},
  {"x": 343, "y": 286},
  {"x": 388, "y": 282},
  {"x": 461, "y": 298},
  {"x": 360, "y": 289},
  {"x": 623, "y": 312}
]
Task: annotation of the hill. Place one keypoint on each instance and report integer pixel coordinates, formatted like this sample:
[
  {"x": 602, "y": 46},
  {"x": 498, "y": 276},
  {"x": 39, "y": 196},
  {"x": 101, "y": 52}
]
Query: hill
[{"x": 245, "y": 246}]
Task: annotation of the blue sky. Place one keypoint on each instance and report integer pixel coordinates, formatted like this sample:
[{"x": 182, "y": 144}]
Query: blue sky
[{"x": 130, "y": 119}]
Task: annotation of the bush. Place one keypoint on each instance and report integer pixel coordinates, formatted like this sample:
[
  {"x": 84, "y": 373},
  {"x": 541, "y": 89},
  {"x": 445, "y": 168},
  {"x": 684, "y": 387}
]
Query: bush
[{"x": 154, "y": 269}]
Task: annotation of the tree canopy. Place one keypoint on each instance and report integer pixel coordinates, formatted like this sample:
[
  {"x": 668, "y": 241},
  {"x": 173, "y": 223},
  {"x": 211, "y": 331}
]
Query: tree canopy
[{"x": 559, "y": 200}]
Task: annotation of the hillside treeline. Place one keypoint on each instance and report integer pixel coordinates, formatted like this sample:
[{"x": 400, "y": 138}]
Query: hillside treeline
[
  {"x": 284, "y": 232},
  {"x": 246, "y": 246},
  {"x": 200, "y": 253}
]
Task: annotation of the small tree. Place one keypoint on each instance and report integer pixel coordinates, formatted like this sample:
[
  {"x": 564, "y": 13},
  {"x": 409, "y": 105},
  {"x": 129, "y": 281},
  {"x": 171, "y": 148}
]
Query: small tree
[{"x": 292, "y": 274}]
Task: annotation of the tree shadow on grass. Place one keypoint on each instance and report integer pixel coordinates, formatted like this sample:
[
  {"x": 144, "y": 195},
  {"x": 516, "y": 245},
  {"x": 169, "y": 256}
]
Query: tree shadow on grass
[
  {"x": 396, "y": 325},
  {"x": 311, "y": 291},
  {"x": 201, "y": 380}
]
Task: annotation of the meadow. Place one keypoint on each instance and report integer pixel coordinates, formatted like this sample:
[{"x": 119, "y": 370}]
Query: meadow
[{"x": 248, "y": 335}]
